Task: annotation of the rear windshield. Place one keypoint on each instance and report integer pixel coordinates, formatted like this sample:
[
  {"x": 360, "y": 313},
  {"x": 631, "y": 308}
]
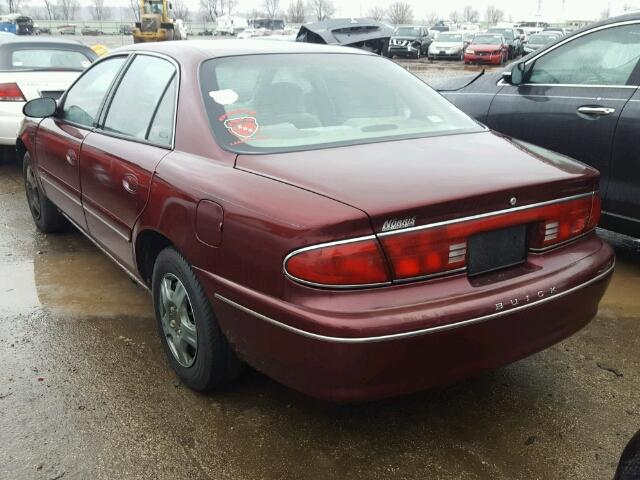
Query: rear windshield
[
  {"x": 449, "y": 37},
  {"x": 288, "y": 102},
  {"x": 506, "y": 33},
  {"x": 48, "y": 59},
  {"x": 488, "y": 40},
  {"x": 541, "y": 38},
  {"x": 408, "y": 31}
]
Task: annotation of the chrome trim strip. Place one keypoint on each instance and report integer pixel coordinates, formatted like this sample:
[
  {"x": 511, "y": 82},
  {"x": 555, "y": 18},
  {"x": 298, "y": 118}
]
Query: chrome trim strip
[
  {"x": 104, "y": 222},
  {"x": 484, "y": 215},
  {"x": 329, "y": 244},
  {"x": 625, "y": 217},
  {"x": 414, "y": 333},
  {"x": 430, "y": 276},
  {"x": 561, "y": 244},
  {"x": 44, "y": 175},
  {"x": 103, "y": 250}
]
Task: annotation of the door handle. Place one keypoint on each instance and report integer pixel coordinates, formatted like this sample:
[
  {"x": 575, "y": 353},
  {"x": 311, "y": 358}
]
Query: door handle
[
  {"x": 597, "y": 111},
  {"x": 130, "y": 183},
  {"x": 71, "y": 158}
]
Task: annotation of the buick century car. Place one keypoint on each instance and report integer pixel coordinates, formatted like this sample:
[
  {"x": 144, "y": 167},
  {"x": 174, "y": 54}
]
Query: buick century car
[{"x": 348, "y": 244}]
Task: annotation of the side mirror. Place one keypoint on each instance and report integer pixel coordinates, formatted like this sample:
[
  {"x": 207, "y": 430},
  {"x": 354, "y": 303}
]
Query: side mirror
[
  {"x": 516, "y": 75},
  {"x": 40, "y": 107}
]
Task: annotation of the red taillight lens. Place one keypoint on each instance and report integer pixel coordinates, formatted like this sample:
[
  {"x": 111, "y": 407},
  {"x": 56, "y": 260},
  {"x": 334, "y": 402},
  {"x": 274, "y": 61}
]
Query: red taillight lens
[
  {"x": 343, "y": 264},
  {"x": 442, "y": 249},
  {"x": 10, "y": 92},
  {"x": 565, "y": 221}
]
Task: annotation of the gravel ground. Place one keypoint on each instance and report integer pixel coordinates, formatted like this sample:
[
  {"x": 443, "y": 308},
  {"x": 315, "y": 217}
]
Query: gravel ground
[{"x": 85, "y": 391}]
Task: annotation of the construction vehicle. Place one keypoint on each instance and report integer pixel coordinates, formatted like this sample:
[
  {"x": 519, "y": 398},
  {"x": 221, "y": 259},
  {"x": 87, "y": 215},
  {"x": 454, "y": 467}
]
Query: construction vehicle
[{"x": 158, "y": 22}]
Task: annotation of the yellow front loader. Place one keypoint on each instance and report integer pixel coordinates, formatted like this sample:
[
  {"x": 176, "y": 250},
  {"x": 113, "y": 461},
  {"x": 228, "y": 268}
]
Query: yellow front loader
[{"x": 158, "y": 22}]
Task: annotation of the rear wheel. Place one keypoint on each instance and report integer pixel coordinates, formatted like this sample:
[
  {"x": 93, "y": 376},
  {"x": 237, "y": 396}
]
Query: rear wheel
[
  {"x": 193, "y": 342},
  {"x": 44, "y": 213}
]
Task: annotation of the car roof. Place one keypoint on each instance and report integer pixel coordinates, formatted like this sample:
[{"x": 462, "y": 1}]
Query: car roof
[
  {"x": 14, "y": 39},
  {"x": 230, "y": 48}
]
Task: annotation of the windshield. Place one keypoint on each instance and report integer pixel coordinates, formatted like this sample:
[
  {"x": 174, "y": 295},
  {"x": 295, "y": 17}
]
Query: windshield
[
  {"x": 152, "y": 8},
  {"x": 288, "y": 102},
  {"x": 449, "y": 37},
  {"x": 48, "y": 59},
  {"x": 408, "y": 31},
  {"x": 542, "y": 39},
  {"x": 488, "y": 40},
  {"x": 506, "y": 32}
]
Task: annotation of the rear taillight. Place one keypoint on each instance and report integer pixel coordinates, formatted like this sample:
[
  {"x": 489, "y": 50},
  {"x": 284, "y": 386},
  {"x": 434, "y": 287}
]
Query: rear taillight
[
  {"x": 436, "y": 249},
  {"x": 10, "y": 92},
  {"x": 442, "y": 248},
  {"x": 566, "y": 221},
  {"x": 339, "y": 264}
]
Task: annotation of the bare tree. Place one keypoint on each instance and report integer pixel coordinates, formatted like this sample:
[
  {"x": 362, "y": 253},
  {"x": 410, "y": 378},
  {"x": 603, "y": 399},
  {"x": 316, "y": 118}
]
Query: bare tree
[
  {"x": 400, "y": 12},
  {"x": 135, "y": 9},
  {"x": 230, "y": 6},
  {"x": 68, "y": 9},
  {"x": 181, "y": 10},
  {"x": 376, "y": 13},
  {"x": 322, "y": 9},
  {"x": 16, "y": 6},
  {"x": 97, "y": 10},
  {"x": 605, "y": 13},
  {"x": 455, "y": 16},
  {"x": 296, "y": 11},
  {"x": 493, "y": 15},
  {"x": 50, "y": 8},
  {"x": 271, "y": 7},
  {"x": 470, "y": 14},
  {"x": 432, "y": 18}
]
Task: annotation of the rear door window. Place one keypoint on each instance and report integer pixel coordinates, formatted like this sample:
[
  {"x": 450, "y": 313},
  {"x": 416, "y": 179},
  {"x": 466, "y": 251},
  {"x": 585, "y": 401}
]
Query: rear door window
[{"x": 137, "y": 98}]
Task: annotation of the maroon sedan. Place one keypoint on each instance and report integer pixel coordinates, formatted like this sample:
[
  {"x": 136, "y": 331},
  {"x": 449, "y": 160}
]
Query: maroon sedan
[
  {"x": 488, "y": 48},
  {"x": 285, "y": 214}
]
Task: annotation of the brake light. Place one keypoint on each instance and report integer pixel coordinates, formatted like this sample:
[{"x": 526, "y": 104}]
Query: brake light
[
  {"x": 442, "y": 248},
  {"x": 573, "y": 219},
  {"x": 10, "y": 92},
  {"x": 351, "y": 263}
]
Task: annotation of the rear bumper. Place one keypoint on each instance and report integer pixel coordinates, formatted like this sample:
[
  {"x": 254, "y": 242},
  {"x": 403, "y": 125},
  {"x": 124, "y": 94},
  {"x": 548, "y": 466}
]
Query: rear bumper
[
  {"x": 377, "y": 352},
  {"x": 10, "y": 121}
]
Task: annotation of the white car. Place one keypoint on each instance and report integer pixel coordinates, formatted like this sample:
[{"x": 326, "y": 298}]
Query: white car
[
  {"x": 450, "y": 45},
  {"x": 32, "y": 67},
  {"x": 250, "y": 33}
]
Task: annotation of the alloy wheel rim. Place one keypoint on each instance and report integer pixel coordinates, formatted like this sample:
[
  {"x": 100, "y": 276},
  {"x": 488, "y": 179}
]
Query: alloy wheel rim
[
  {"x": 178, "y": 320},
  {"x": 33, "y": 194}
]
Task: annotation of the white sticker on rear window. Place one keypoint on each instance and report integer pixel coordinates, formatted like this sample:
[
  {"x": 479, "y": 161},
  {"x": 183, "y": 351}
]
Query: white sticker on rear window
[
  {"x": 224, "y": 97},
  {"x": 86, "y": 64},
  {"x": 435, "y": 119},
  {"x": 17, "y": 64}
]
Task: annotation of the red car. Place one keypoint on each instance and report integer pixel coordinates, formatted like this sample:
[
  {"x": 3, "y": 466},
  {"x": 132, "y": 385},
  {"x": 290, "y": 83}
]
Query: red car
[
  {"x": 284, "y": 214},
  {"x": 488, "y": 48}
]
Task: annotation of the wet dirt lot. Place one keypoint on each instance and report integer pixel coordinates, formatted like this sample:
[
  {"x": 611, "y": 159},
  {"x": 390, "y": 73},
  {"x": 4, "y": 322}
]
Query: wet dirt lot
[{"x": 85, "y": 391}]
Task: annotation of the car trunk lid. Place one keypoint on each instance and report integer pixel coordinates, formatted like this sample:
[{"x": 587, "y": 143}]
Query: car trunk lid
[
  {"x": 40, "y": 84},
  {"x": 416, "y": 182}
]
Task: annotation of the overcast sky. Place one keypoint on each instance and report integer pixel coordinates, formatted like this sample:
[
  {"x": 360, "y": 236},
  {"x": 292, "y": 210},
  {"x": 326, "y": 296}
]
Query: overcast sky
[{"x": 554, "y": 10}]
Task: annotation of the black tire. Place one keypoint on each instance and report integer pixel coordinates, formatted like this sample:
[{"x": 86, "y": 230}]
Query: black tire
[
  {"x": 215, "y": 361},
  {"x": 44, "y": 213}
]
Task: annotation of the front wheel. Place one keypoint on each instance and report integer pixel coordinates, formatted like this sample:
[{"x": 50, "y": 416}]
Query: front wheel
[
  {"x": 44, "y": 213},
  {"x": 193, "y": 342}
]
